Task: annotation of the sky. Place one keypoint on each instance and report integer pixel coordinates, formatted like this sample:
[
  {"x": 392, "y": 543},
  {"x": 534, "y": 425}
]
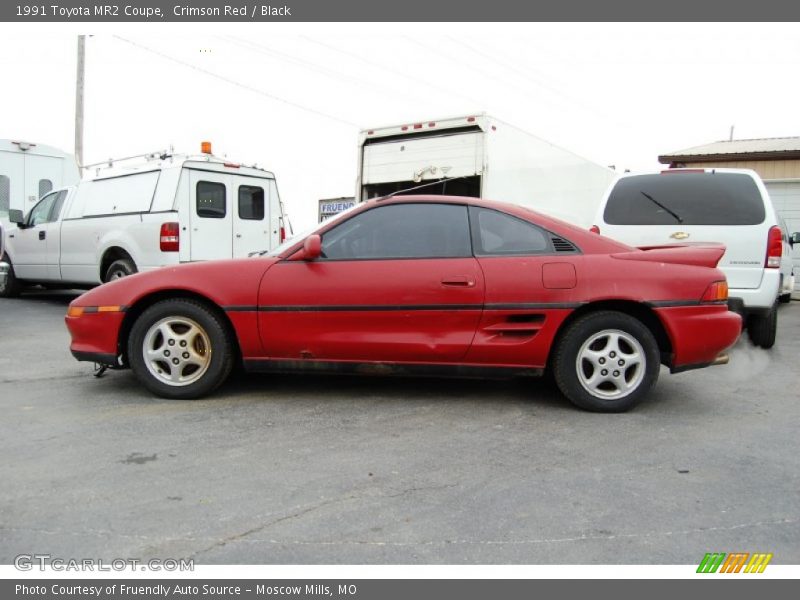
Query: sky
[{"x": 292, "y": 99}]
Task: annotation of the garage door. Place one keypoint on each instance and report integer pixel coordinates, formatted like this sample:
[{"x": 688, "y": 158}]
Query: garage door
[{"x": 786, "y": 199}]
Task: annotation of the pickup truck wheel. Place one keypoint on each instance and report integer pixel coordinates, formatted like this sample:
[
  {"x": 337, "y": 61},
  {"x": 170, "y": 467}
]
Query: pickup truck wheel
[
  {"x": 763, "y": 328},
  {"x": 180, "y": 349},
  {"x": 606, "y": 361},
  {"x": 120, "y": 268},
  {"x": 12, "y": 287}
]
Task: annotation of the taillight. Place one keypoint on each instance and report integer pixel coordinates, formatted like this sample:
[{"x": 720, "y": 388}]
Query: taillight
[
  {"x": 283, "y": 234},
  {"x": 169, "y": 239},
  {"x": 716, "y": 292},
  {"x": 595, "y": 229},
  {"x": 774, "y": 247}
]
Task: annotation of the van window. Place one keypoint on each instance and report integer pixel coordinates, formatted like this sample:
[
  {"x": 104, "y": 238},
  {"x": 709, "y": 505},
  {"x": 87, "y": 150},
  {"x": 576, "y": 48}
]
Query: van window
[
  {"x": 211, "y": 200},
  {"x": 685, "y": 198},
  {"x": 45, "y": 186},
  {"x": 5, "y": 194},
  {"x": 496, "y": 233},
  {"x": 251, "y": 203}
]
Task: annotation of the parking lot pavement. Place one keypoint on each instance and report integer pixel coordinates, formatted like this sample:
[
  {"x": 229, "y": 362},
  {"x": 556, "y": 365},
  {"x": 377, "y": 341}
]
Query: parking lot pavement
[{"x": 375, "y": 470}]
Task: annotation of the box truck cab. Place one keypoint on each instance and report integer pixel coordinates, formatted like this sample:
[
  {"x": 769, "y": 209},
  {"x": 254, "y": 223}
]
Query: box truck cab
[
  {"x": 483, "y": 157},
  {"x": 28, "y": 171},
  {"x": 136, "y": 217}
]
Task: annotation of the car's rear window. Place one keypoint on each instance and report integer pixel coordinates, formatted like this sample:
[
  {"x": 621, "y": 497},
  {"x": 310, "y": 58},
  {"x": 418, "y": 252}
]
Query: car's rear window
[{"x": 685, "y": 198}]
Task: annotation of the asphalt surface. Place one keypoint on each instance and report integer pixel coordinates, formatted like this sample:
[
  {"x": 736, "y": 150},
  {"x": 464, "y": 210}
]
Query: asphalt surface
[{"x": 289, "y": 469}]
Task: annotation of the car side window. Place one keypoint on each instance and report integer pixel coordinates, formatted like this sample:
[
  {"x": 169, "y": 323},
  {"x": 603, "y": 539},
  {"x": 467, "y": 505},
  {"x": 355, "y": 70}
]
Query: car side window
[
  {"x": 211, "y": 202},
  {"x": 57, "y": 205},
  {"x": 499, "y": 234},
  {"x": 41, "y": 212},
  {"x": 401, "y": 231}
]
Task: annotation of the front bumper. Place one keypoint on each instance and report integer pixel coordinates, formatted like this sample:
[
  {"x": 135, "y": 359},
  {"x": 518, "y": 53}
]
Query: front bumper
[
  {"x": 699, "y": 334},
  {"x": 95, "y": 336}
]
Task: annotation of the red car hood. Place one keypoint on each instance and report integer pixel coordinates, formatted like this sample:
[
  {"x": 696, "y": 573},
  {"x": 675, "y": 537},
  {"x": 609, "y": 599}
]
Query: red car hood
[{"x": 225, "y": 282}]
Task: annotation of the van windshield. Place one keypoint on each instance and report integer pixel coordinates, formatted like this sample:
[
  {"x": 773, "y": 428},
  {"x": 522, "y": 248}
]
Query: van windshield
[{"x": 685, "y": 198}]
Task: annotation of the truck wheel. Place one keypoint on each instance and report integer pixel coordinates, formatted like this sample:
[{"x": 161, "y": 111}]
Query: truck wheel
[
  {"x": 120, "y": 268},
  {"x": 763, "y": 328},
  {"x": 180, "y": 349},
  {"x": 12, "y": 286},
  {"x": 606, "y": 362}
]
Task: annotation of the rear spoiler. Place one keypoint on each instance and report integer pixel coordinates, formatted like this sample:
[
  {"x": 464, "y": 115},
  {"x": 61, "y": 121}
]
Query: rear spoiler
[{"x": 699, "y": 254}]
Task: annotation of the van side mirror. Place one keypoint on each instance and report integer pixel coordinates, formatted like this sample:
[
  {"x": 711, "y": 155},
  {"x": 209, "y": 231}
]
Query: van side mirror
[
  {"x": 795, "y": 238},
  {"x": 17, "y": 217},
  {"x": 312, "y": 247}
]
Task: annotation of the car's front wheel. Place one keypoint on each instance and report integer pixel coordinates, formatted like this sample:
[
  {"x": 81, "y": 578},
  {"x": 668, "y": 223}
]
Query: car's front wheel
[
  {"x": 10, "y": 286},
  {"x": 180, "y": 349},
  {"x": 606, "y": 361}
]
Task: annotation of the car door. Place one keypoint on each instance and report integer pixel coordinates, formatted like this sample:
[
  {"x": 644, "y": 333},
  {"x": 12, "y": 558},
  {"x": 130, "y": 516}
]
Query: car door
[
  {"x": 30, "y": 242},
  {"x": 531, "y": 279},
  {"x": 211, "y": 215},
  {"x": 395, "y": 283},
  {"x": 53, "y": 236}
]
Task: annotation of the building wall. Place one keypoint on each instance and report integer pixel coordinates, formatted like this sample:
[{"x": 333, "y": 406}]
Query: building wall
[{"x": 767, "y": 169}]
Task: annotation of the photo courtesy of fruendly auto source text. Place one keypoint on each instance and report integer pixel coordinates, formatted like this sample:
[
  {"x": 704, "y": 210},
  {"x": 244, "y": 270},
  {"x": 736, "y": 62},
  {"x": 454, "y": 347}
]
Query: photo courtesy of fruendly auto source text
[{"x": 360, "y": 300}]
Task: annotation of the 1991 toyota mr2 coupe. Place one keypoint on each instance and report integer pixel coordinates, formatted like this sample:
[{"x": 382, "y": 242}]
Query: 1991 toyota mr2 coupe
[{"x": 430, "y": 285}]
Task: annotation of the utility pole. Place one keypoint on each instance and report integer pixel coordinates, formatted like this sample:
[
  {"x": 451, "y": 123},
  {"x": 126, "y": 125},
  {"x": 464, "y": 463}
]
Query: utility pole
[{"x": 79, "y": 102}]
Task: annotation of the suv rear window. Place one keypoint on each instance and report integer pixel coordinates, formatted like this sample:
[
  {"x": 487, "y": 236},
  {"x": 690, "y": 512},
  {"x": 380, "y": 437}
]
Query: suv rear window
[{"x": 685, "y": 198}]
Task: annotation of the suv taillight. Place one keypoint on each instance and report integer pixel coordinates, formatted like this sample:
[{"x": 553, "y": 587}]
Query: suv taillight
[
  {"x": 716, "y": 292},
  {"x": 774, "y": 247},
  {"x": 283, "y": 234},
  {"x": 594, "y": 229},
  {"x": 169, "y": 239}
]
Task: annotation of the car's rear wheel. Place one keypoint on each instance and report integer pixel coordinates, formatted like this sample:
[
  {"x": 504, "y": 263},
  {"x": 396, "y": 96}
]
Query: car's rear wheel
[
  {"x": 606, "y": 361},
  {"x": 180, "y": 349},
  {"x": 119, "y": 269},
  {"x": 11, "y": 287},
  {"x": 762, "y": 329}
]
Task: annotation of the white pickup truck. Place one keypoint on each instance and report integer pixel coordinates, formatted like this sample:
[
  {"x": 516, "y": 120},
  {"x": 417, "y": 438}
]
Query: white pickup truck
[{"x": 162, "y": 211}]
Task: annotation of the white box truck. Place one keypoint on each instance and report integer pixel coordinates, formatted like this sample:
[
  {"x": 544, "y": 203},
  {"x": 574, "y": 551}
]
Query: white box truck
[
  {"x": 483, "y": 157},
  {"x": 28, "y": 171},
  {"x": 142, "y": 215}
]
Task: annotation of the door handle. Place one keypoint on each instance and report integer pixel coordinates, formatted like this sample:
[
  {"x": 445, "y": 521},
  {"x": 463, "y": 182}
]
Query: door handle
[
  {"x": 42, "y": 235},
  {"x": 458, "y": 281}
]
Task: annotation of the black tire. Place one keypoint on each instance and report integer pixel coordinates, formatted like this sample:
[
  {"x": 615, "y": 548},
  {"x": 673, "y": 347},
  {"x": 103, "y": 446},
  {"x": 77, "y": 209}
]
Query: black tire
[
  {"x": 762, "y": 329},
  {"x": 119, "y": 268},
  {"x": 220, "y": 349},
  {"x": 565, "y": 363},
  {"x": 12, "y": 287},
  {"x": 785, "y": 298}
]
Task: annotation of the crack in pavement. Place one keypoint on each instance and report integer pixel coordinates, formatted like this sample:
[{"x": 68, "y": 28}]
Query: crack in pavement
[{"x": 243, "y": 537}]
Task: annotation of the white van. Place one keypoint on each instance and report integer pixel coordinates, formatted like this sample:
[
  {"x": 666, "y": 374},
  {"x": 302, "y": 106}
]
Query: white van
[
  {"x": 730, "y": 206},
  {"x": 28, "y": 171},
  {"x": 162, "y": 211}
]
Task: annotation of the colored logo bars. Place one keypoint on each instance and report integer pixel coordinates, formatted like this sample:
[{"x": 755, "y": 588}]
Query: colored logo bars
[{"x": 734, "y": 563}]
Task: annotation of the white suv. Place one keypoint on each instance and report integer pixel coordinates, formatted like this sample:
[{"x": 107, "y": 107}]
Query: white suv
[{"x": 730, "y": 206}]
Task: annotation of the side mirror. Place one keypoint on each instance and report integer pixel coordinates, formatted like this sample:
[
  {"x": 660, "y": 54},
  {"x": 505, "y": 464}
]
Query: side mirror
[
  {"x": 795, "y": 238},
  {"x": 312, "y": 247},
  {"x": 17, "y": 217}
]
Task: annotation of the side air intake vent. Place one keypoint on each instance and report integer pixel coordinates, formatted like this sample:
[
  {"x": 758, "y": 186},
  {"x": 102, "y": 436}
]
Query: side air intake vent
[{"x": 562, "y": 245}]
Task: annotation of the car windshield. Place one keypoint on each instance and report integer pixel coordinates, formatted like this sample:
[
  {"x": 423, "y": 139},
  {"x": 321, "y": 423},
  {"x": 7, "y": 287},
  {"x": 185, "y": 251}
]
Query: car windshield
[
  {"x": 686, "y": 198},
  {"x": 289, "y": 242}
]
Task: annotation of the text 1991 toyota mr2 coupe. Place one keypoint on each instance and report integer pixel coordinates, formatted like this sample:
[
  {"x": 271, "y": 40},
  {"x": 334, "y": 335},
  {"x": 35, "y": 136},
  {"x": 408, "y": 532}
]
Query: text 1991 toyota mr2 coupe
[{"x": 422, "y": 284}]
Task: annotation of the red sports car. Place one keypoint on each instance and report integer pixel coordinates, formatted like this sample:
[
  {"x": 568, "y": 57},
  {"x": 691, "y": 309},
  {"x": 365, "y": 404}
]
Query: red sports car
[{"x": 425, "y": 285}]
